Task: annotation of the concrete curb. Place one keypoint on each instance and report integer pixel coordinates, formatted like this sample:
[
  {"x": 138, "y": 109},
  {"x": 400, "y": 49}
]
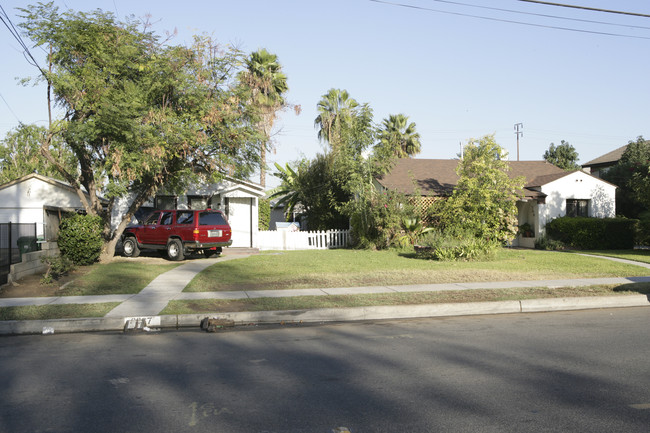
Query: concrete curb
[{"x": 321, "y": 315}]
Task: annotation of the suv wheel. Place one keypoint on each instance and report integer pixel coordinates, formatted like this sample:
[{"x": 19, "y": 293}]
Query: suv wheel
[
  {"x": 175, "y": 250},
  {"x": 130, "y": 246}
]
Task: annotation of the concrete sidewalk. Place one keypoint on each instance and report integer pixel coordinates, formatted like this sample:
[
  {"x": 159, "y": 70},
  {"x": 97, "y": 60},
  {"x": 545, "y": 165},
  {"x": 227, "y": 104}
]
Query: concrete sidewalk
[{"x": 146, "y": 305}]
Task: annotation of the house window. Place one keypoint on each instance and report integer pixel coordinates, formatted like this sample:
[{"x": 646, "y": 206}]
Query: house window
[
  {"x": 577, "y": 208},
  {"x": 198, "y": 201},
  {"x": 166, "y": 202}
]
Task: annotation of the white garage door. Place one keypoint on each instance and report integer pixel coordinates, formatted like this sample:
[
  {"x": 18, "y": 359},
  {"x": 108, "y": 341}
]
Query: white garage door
[{"x": 239, "y": 217}]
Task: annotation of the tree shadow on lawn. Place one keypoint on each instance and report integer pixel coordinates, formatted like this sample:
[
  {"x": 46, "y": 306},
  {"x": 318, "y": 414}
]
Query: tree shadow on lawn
[{"x": 642, "y": 288}]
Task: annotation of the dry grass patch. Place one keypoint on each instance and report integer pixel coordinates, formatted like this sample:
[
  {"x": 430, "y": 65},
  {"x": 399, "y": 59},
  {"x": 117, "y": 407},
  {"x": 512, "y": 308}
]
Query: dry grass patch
[
  {"x": 411, "y": 298},
  {"x": 64, "y": 311}
]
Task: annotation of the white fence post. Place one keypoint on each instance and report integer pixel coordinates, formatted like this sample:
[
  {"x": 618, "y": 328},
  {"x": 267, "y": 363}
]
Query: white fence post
[{"x": 286, "y": 240}]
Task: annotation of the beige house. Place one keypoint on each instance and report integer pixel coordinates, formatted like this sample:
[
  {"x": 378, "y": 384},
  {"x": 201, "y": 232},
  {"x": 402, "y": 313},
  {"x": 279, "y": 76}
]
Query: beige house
[
  {"x": 601, "y": 164},
  {"x": 549, "y": 192}
]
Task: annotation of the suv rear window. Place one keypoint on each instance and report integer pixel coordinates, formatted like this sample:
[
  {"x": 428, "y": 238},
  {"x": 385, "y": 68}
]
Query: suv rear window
[{"x": 211, "y": 219}]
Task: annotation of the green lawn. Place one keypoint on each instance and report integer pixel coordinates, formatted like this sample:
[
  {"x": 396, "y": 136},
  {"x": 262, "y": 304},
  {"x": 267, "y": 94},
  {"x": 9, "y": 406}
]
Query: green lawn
[
  {"x": 115, "y": 278},
  {"x": 637, "y": 255},
  {"x": 413, "y": 298},
  {"x": 349, "y": 268},
  {"x": 346, "y": 268}
]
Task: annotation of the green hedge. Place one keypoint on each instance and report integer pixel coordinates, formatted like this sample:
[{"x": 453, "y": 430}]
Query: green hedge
[
  {"x": 264, "y": 214},
  {"x": 593, "y": 233},
  {"x": 80, "y": 238},
  {"x": 643, "y": 232}
]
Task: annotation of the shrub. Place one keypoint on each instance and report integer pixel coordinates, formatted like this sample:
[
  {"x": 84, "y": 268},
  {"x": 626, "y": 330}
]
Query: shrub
[
  {"x": 455, "y": 245},
  {"x": 643, "y": 231},
  {"x": 377, "y": 220},
  {"x": 57, "y": 266},
  {"x": 80, "y": 238},
  {"x": 593, "y": 233},
  {"x": 544, "y": 243},
  {"x": 264, "y": 215}
]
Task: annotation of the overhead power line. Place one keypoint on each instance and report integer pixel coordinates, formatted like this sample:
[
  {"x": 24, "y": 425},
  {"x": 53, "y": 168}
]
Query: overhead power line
[
  {"x": 503, "y": 20},
  {"x": 610, "y": 11},
  {"x": 557, "y": 17},
  {"x": 9, "y": 107},
  {"x": 16, "y": 34}
]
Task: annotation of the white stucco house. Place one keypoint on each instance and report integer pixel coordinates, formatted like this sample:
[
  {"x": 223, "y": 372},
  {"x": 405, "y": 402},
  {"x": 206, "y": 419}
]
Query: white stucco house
[
  {"x": 43, "y": 200},
  {"x": 236, "y": 198},
  {"x": 38, "y": 199},
  {"x": 549, "y": 192}
]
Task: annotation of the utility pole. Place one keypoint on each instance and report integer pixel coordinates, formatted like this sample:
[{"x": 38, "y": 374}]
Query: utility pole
[{"x": 519, "y": 130}]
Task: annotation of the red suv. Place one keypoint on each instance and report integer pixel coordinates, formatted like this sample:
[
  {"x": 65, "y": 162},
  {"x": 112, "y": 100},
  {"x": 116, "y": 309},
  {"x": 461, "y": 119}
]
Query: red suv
[{"x": 179, "y": 232}]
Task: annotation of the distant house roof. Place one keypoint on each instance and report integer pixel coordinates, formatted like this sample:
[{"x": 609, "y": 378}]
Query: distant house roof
[
  {"x": 46, "y": 179},
  {"x": 437, "y": 177},
  {"x": 607, "y": 159},
  {"x": 49, "y": 180}
]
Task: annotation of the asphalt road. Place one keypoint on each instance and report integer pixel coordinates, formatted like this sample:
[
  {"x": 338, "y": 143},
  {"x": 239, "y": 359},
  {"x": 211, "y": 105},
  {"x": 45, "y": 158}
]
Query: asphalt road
[{"x": 586, "y": 371}]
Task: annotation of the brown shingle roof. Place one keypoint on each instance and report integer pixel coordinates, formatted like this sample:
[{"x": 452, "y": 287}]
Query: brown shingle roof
[
  {"x": 610, "y": 158},
  {"x": 438, "y": 176}
]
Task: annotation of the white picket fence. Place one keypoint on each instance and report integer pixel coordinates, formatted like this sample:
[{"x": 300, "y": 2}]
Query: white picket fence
[{"x": 318, "y": 240}]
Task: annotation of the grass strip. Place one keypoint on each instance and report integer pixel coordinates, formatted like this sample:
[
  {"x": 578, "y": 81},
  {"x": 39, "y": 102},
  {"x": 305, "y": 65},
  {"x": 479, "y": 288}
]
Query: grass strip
[
  {"x": 63, "y": 311},
  {"x": 115, "y": 278},
  {"x": 636, "y": 255},
  {"x": 414, "y": 298},
  {"x": 354, "y": 268}
]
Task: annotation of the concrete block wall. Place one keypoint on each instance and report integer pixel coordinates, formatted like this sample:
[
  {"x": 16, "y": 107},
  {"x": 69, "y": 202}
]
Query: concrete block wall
[{"x": 32, "y": 263}]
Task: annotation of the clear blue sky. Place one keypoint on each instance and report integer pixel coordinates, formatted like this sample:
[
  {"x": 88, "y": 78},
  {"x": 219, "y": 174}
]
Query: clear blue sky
[{"x": 455, "y": 76}]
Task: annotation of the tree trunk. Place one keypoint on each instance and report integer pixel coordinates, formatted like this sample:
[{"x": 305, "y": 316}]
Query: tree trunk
[
  {"x": 108, "y": 250},
  {"x": 263, "y": 166}
]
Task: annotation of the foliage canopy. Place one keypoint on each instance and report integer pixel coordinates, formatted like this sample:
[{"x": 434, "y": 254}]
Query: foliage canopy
[
  {"x": 140, "y": 113},
  {"x": 398, "y": 137},
  {"x": 20, "y": 154},
  {"x": 484, "y": 200},
  {"x": 632, "y": 176},
  {"x": 564, "y": 156}
]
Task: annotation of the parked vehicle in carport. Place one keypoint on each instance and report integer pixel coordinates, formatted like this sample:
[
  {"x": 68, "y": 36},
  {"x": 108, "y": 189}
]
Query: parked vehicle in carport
[{"x": 179, "y": 232}]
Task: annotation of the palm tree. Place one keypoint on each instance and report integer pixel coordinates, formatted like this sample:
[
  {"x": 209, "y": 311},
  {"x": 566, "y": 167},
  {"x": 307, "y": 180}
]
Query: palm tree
[
  {"x": 268, "y": 85},
  {"x": 399, "y": 135},
  {"x": 335, "y": 111},
  {"x": 289, "y": 192}
]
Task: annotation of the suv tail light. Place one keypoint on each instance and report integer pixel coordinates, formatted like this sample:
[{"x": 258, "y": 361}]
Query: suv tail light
[{"x": 195, "y": 234}]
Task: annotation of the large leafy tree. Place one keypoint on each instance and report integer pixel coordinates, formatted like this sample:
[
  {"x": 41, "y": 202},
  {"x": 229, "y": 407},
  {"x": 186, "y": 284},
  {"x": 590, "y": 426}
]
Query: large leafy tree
[
  {"x": 564, "y": 156},
  {"x": 20, "y": 154},
  {"x": 632, "y": 176},
  {"x": 140, "y": 113},
  {"x": 327, "y": 184},
  {"x": 483, "y": 203},
  {"x": 268, "y": 86},
  {"x": 399, "y": 137},
  {"x": 322, "y": 193}
]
